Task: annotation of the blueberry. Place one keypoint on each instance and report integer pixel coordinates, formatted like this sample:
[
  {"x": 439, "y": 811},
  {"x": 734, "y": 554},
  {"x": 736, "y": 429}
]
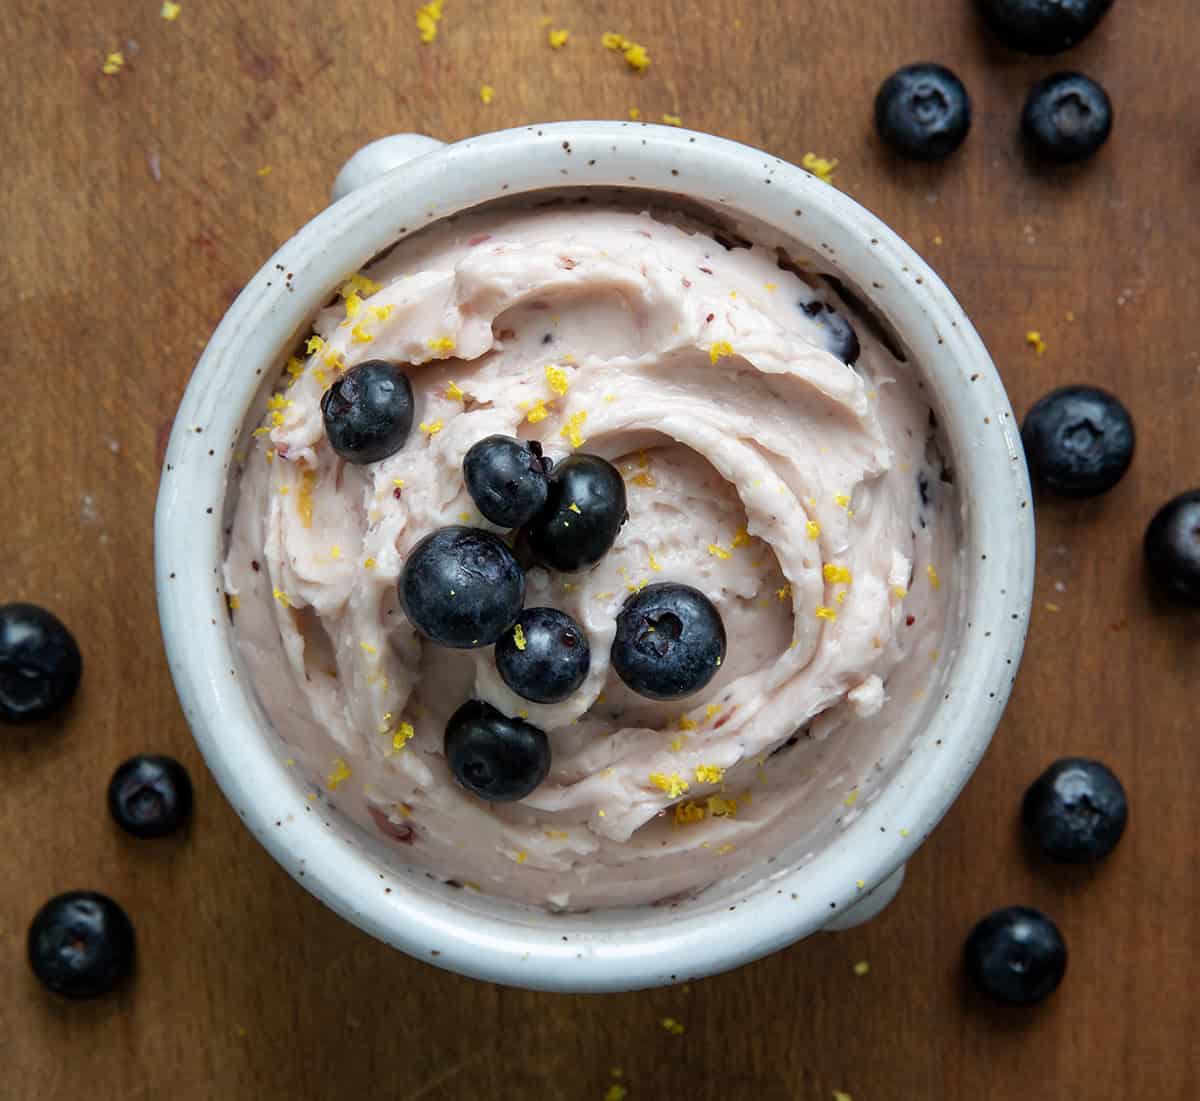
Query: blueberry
[
  {"x": 1075, "y": 811},
  {"x": 584, "y": 510},
  {"x": 670, "y": 641},
  {"x": 1079, "y": 441},
  {"x": 545, "y": 656},
  {"x": 1016, "y": 955},
  {"x": 368, "y": 412},
  {"x": 840, "y": 336},
  {"x": 1067, "y": 117},
  {"x": 150, "y": 796},
  {"x": 462, "y": 587},
  {"x": 1172, "y": 547},
  {"x": 40, "y": 664},
  {"x": 495, "y": 757},
  {"x": 1043, "y": 26},
  {"x": 81, "y": 944},
  {"x": 923, "y": 111},
  {"x": 507, "y": 479}
]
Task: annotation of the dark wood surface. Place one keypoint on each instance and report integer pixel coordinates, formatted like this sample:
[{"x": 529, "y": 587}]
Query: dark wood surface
[{"x": 133, "y": 211}]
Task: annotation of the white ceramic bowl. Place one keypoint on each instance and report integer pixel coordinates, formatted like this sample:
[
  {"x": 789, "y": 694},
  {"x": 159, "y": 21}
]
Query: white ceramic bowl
[{"x": 400, "y": 184}]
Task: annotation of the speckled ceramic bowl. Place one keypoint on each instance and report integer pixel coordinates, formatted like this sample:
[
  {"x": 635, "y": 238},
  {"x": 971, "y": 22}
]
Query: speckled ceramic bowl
[{"x": 401, "y": 184}]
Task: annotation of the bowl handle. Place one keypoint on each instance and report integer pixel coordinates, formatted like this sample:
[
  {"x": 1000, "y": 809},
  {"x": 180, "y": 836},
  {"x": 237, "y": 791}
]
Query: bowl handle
[
  {"x": 869, "y": 906},
  {"x": 378, "y": 158}
]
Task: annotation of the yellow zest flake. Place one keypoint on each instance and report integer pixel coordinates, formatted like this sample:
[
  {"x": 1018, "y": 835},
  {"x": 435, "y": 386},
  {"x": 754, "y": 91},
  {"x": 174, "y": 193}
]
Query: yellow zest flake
[
  {"x": 380, "y": 313},
  {"x": 340, "y": 772},
  {"x": 673, "y": 785},
  {"x": 826, "y": 613},
  {"x": 726, "y": 848},
  {"x": 284, "y": 490},
  {"x": 314, "y": 344},
  {"x": 686, "y": 723},
  {"x": 359, "y": 282},
  {"x": 573, "y": 507},
  {"x": 672, "y": 1026},
  {"x": 612, "y": 41},
  {"x": 842, "y": 500},
  {"x": 862, "y": 968},
  {"x": 558, "y": 38},
  {"x": 676, "y": 743},
  {"x": 170, "y": 10},
  {"x": 785, "y": 592},
  {"x": 720, "y": 807},
  {"x": 813, "y": 529},
  {"x": 719, "y": 349},
  {"x": 359, "y": 335},
  {"x": 851, "y": 799},
  {"x": 709, "y": 774},
  {"x": 454, "y": 393},
  {"x": 557, "y": 835},
  {"x": 741, "y": 537},
  {"x": 860, "y": 883},
  {"x": 521, "y": 856},
  {"x": 234, "y": 602},
  {"x": 841, "y": 597},
  {"x": 634, "y": 114},
  {"x": 519, "y": 637},
  {"x": 366, "y": 647},
  {"x": 637, "y": 58},
  {"x": 601, "y": 813},
  {"x": 654, "y": 563},
  {"x": 556, "y": 379},
  {"x": 294, "y": 367},
  {"x": 899, "y": 591},
  {"x": 304, "y": 501},
  {"x": 903, "y": 832},
  {"x": 269, "y": 453},
  {"x": 644, "y": 479},
  {"x": 711, "y": 710},
  {"x": 571, "y": 430},
  {"x": 369, "y": 563},
  {"x": 398, "y": 483},
  {"x": 819, "y": 166},
  {"x": 443, "y": 345},
  {"x": 718, "y": 551},
  {"x": 672, "y": 120},
  {"x": 404, "y": 734},
  {"x": 1034, "y": 339},
  {"x": 770, "y": 288},
  {"x": 836, "y": 575},
  {"x": 538, "y": 413},
  {"x": 486, "y": 93},
  {"x": 427, "y": 20},
  {"x": 282, "y": 597},
  {"x": 934, "y": 580},
  {"x": 353, "y": 305},
  {"x": 689, "y": 812},
  {"x": 432, "y": 429},
  {"x": 113, "y": 63}
]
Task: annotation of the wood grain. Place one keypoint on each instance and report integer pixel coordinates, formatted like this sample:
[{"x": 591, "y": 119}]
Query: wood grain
[{"x": 133, "y": 212}]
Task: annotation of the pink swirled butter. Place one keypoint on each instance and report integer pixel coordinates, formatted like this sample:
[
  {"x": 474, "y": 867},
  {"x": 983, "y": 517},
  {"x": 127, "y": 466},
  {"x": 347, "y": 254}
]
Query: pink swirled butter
[{"x": 805, "y": 497}]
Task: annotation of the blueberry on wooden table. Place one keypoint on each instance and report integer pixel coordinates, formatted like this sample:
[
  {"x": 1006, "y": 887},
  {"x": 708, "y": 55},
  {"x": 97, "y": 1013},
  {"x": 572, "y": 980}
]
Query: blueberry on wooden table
[
  {"x": 81, "y": 944},
  {"x": 1076, "y": 811},
  {"x": 584, "y": 511},
  {"x": 923, "y": 111},
  {"x": 670, "y": 641},
  {"x": 462, "y": 587},
  {"x": 507, "y": 479},
  {"x": 368, "y": 412},
  {"x": 1016, "y": 955},
  {"x": 495, "y": 757},
  {"x": 544, "y": 657},
  {"x": 150, "y": 796},
  {"x": 40, "y": 663},
  {"x": 1043, "y": 26},
  {"x": 1067, "y": 117},
  {"x": 1079, "y": 441},
  {"x": 1172, "y": 548}
]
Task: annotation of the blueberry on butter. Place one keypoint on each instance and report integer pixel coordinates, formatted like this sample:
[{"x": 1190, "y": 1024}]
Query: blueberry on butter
[{"x": 368, "y": 412}]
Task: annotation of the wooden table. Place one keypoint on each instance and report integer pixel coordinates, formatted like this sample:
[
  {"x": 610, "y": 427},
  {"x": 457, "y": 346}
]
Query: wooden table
[{"x": 134, "y": 208}]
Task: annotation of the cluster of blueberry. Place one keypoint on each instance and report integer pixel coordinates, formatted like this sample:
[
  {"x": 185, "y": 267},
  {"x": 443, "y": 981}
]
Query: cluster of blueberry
[
  {"x": 924, "y": 111},
  {"x": 81, "y": 943},
  {"x": 464, "y": 587}
]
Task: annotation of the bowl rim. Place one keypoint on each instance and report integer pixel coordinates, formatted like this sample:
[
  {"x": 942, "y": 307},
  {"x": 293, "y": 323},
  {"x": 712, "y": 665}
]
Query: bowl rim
[{"x": 569, "y": 952}]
